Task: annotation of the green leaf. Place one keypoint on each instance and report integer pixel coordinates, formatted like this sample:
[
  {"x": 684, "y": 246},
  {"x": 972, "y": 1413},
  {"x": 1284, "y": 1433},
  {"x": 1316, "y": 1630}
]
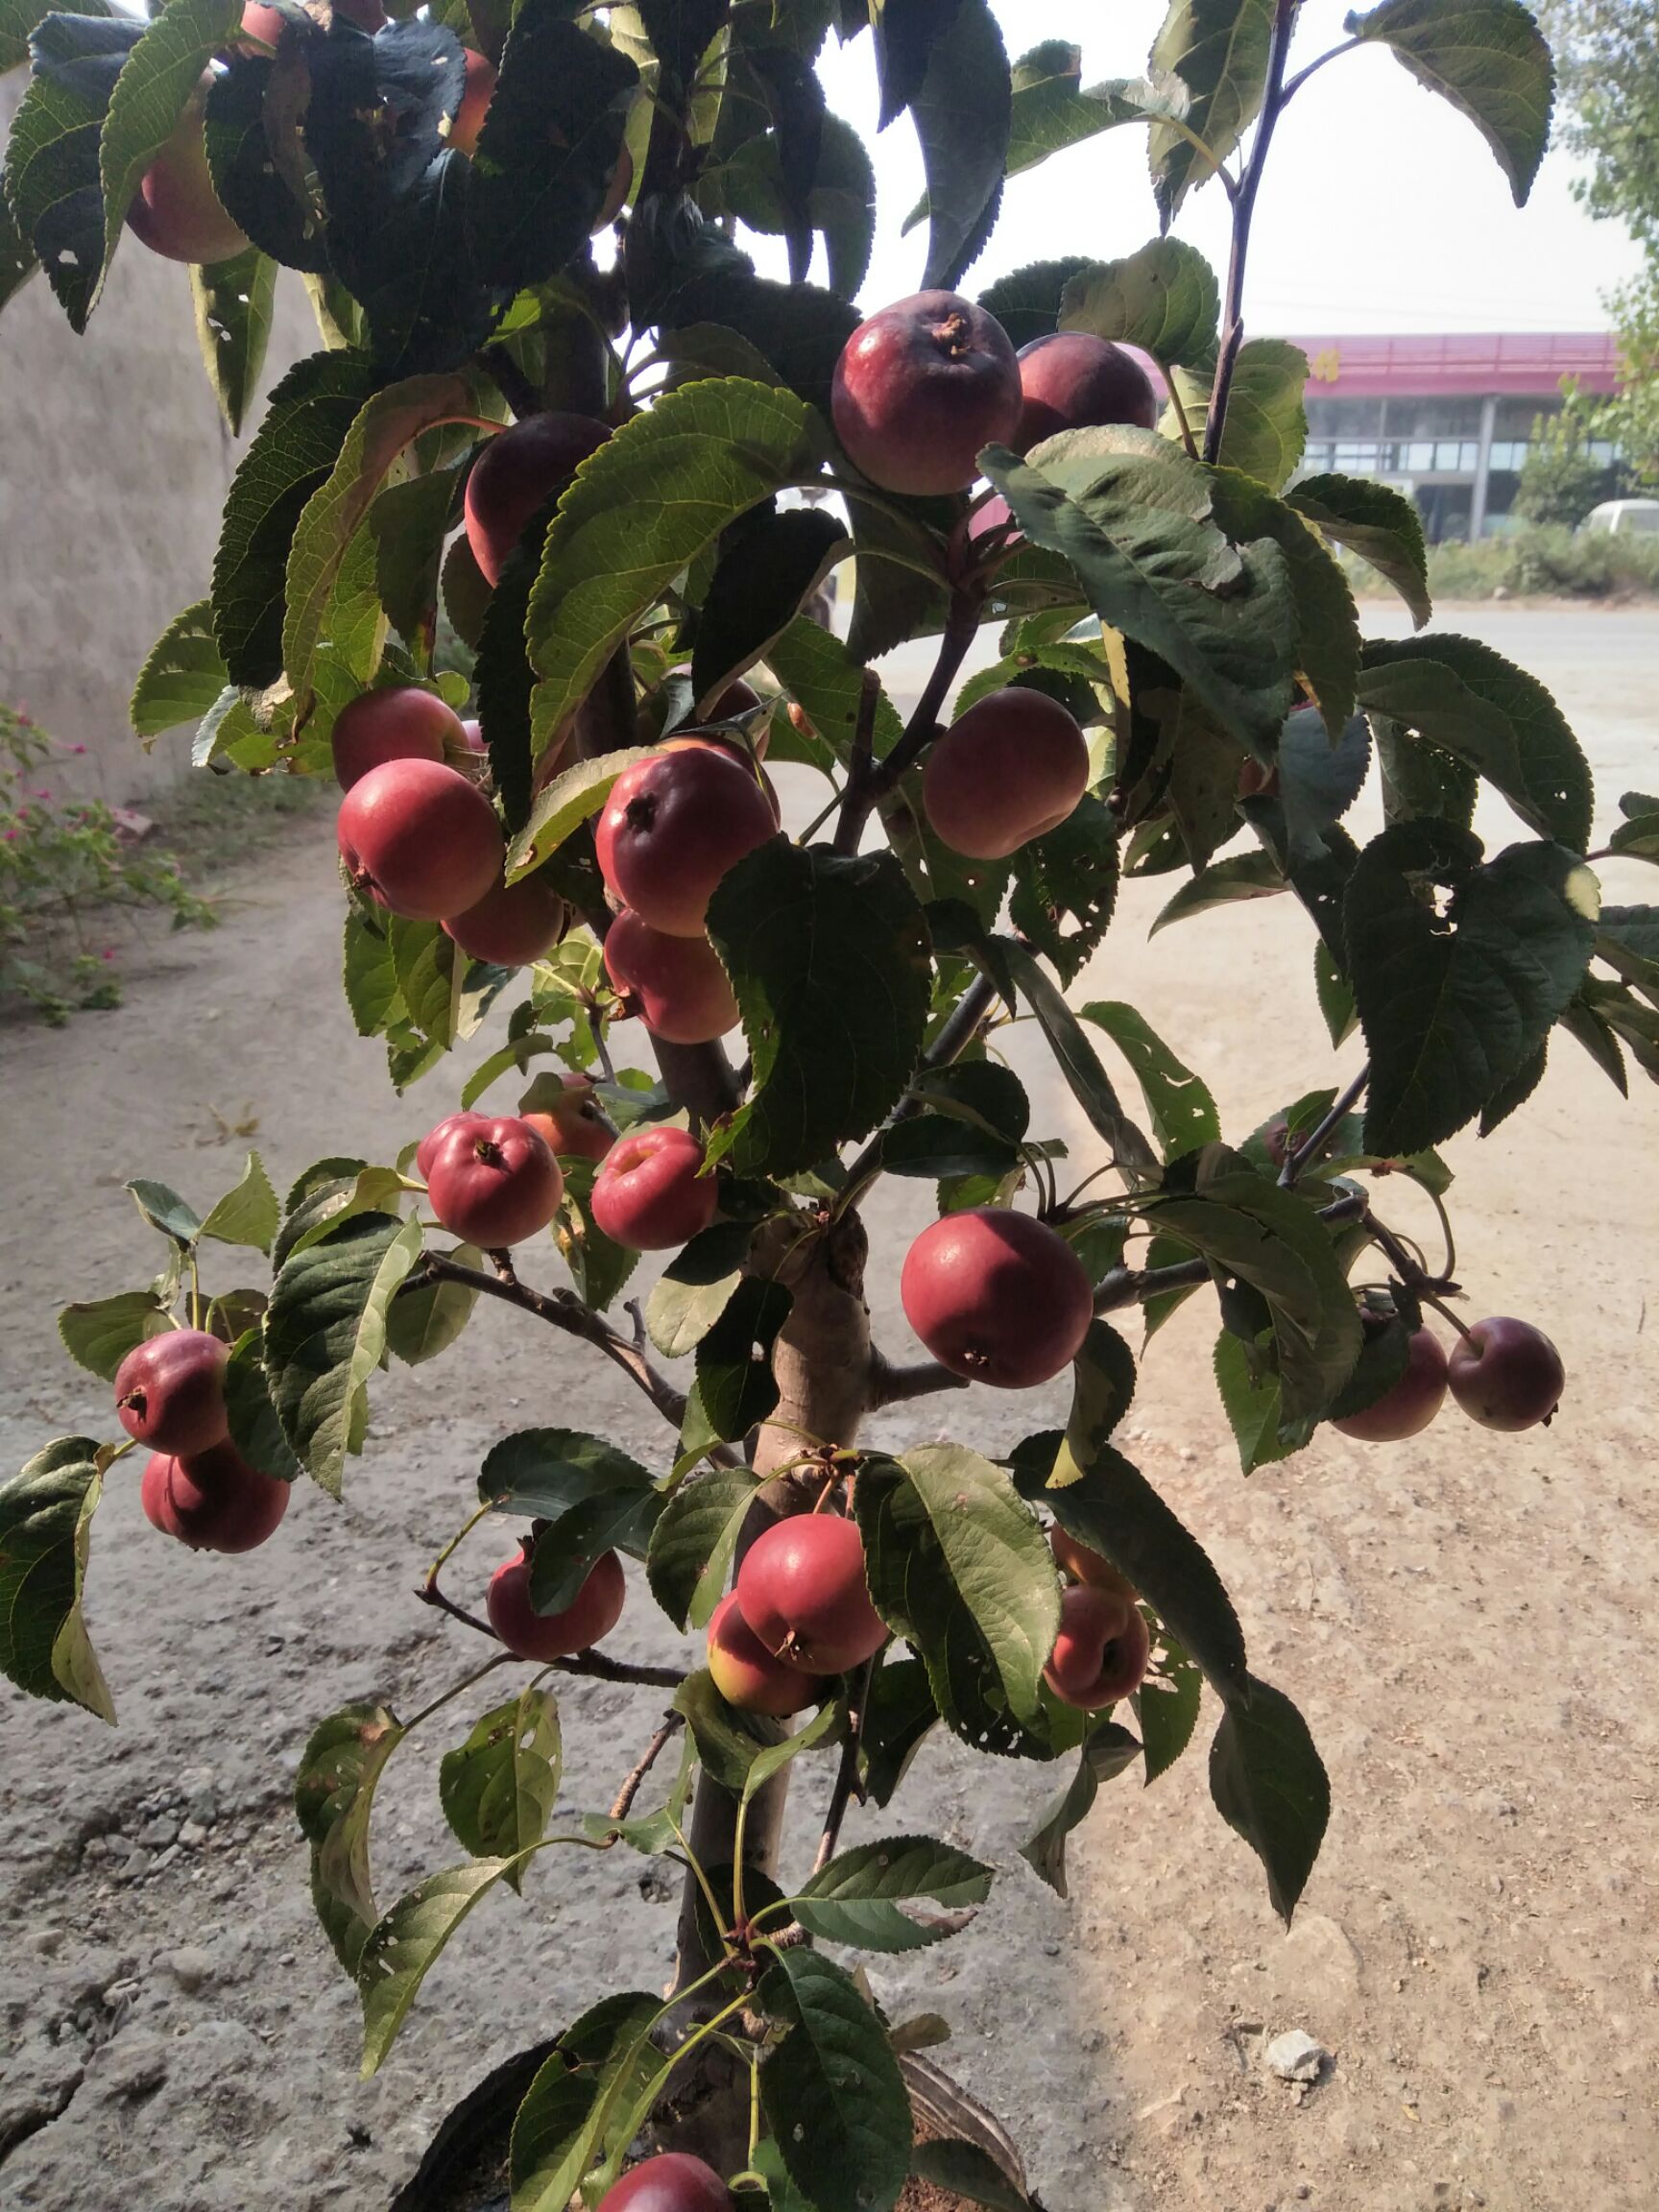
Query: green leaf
[
  {"x": 1218, "y": 48},
  {"x": 234, "y": 300},
  {"x": 497, "y": 1789},
  {"x": 963, "y": 2169},
  {"x": 255, "y": 1430},
  {"x": 331, "y": 1199},
  {"x": 164, "y": 1210},
  {"x": 1166, "y": 1706},
  {"x": 45, "y": 1535},
  {"x": 768, "y": 566},
  {"x": 694, "y": 1542},
  {"x": 1489, "y": 59},
  {"x": 598, "y": 1268},
  {"x": 150, "y": 94},
  {"x": 958, "y": 1566},
  {"x": 568, "y": 1549},
  {"x": 652, "y": 498},
  {"x": 598, "y": 2068},
  {"x": 962, "y": 111},
  {"x": 410, "y": 522},
  {"x": 1080, "y": 1064},
  {"x": 99, "y": 1334},
  {"x": 183, "y": 676},
  {"x": 1052, "y": 112},
  {"x": 835, "y": 2099},
  {"x": 428, "y": 966},
  {"x": 855, "y": 1899},
  {"x": 402, "y": 1948},
  {"x": 1164, "y": 299},
  {"x": 728, "y": 1742},
  {"x": 1460, "y": 694},
  {"x": 1637, "y": 838},
  {"x": 1374, "y": 522},
  {"x": 1453, "y": 1007},
  {"x": 543, "y": 1472},
  {"x": 814, "y": 668},
  {"x": 1027, "y": 303},
  {"x": 52, "y": 182},
  {"x": 249, "y": 1214},
  {"x": 380, "y": 431},
  {"x": 1107, "y": 1750},
  {"x": 291, "y": 456},
  {"x": 563, "y": 805},
  {"x": 18, "y": 17},
  {"x": 827, "y": 958},
  {"x": 825, "y": 1724},
  {"x": 1136, "y": 518},
  {"x": 1246, "y": 876},
  {"x": 1270, "y": 1786},
  {"x": 325, "y": 1332},
  {"x": 693, "y": 1289},
  {"x": 1183, "y": 1113},
  {"x": 735, "y": 1380},
  {"x": 1253, "y": 1400},
  {"x": 1267, "y": 426},
  {"x": 1327, "y": 619},
  {"x": 424, "y": 1322},
  {"x": 1069, "y": 874},
  {"x": 333, "y": 1797}
]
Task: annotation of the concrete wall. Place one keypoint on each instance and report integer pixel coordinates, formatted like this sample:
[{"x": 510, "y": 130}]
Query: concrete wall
[{"x": 113, "y": 465}]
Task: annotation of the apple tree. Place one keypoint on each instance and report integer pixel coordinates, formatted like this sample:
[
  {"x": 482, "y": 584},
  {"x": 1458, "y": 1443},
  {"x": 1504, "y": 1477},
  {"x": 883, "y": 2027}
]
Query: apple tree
[{"x": 530, "y": 555}]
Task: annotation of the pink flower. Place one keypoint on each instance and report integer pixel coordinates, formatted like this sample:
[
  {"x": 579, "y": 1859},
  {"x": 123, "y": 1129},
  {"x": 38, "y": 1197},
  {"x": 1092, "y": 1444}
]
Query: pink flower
[
  {"x": 77, "y": 748},
  {"x": 109, "y": 953}
]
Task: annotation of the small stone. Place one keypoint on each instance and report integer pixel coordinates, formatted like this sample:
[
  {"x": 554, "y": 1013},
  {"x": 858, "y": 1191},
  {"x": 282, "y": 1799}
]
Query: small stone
[
  {"x": 203, "y": 1807},
  {"x": 156, "y": 1834},
  {"x": 191, "y": 1968},
  {"x": 1295, "y": 2056},
  {"x": 165, "y": 1859},
  {"x": 132, "y": 2066},
  {"x": 134, "y": 1867},
  {"x": 193, "y": 1835}
]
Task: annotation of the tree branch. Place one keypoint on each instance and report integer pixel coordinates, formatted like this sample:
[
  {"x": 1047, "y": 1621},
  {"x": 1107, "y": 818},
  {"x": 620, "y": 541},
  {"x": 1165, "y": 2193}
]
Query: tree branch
[
  {"x": 658, "y": 1744},
  {"x": 856, "y": 798},
  {"x": 863, "y": 791},
  {"x": 594, "y": 1663},
  {"x": 890, "y": 1385}
]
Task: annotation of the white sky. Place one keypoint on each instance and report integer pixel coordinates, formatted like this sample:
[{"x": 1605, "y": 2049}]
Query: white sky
[{"x": 1382, "y": 207}]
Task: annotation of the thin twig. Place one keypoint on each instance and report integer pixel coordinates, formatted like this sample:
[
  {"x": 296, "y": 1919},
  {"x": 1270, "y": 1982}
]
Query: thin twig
[
  {"x": 847, "y": 1774},
  {"x": 963, "y": 1022},
  {"x": 855, "y": 800},
  {"x": 671, "y": 1726},
  {"x": 1306, "y": 1152},
  {"x": 594, "y": 1663},
  {"x": 961, "y": 628},
  {"x": 890, "y": 1385}
]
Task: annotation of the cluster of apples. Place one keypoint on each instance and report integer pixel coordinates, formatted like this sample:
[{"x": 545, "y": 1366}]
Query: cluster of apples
[
  {"x": 196, "y": 1486},
  {"x": 1504, "y": 1373},
  {"x": 176, "y": 211}
]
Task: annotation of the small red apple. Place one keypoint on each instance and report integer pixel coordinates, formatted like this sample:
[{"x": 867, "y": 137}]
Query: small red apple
[
  {"x": 476, "y": 99},
  {"x": 427, "y": 1150},
  {"x": 492, "y": 1182},
  {"x": 1506, "y": 1375},
  {"x": 1408, "y": 1405},
  {"x": 672, "y": 827},
  {"x": 399, "y": 722},
  {"x": 649, "y": 1195},
  {"x": 170, "y": 1392},
  {"x": 570, "y": 1115},
  {"x": 175, "y": 210},
  {"x": 212, "y": 1501},
  {"x": 747, "y": 1674},
  {"x": 1011, "y": 769},
  {"x": 512, "y": 924},
  {"x": 801, "y": 1590},
  {"x": 421, "y": 839},
  {"x": 997, "y": 1296},
  {"x": 1074, "y": 381},
  {"x": 587, "y": 1620},
  {"x": 673, "y": 2182},
  {"x": 1101, "y": 1651},
  {"x": 678, "y": 986},
  {"x": 921, "y": 388},
  {"x": 516, "y": 475},
  {"x": 1086, "y": 1565}
]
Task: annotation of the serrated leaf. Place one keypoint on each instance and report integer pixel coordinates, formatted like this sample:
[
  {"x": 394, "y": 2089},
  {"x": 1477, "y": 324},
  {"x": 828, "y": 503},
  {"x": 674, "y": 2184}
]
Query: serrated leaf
[
  {"x": 693, "y": 1543},
  {"x": 652, "y": 499},
  {"x": 1374, "y": 522},
  {"x": 233, "y": 301},
  {"x": 45, "y": 1534},
  {"x": 728, "y": 1742},
  {"x": 827, "y": 956},
  {"x": 1453, "y": 1007},
  {"x": 1266, "y": 426},
  {"x": 1166, "y": 1706},
  {"x": 835, "y": 2099},
  {"x": 1107, "y": 1750},
  {"x": 599, "y": 1268},
  {"x": 1218, "y": 48},
  {"x": 855, "y": 1899},
  {"x": 99, "y": 1332},
  {"x": 966, "y": 2170},
  {"x": 255, "y": 1430},
  {"x": 402, "y": 1948},
  {"x": 1164, "y": 299},
  {"x": 1245, "y": 876},
  {"x": 1080, "y": 1065},
  {"x": 570, "y": 1548},
  {"x": 325, "y": 1332},
  {"x": 693, "y": 1289},
  {"x": 498, "y": 1787},
  {"x": 1326, "y": 618},
  {"x": 962, "y": 110},
  {"x": 815, "y": 668},
  {"x": 161, "y": 1206},
  {"x": 735, "y": 1387},
  {"x": 957, "y": 1566},
  {"x": 249, "y": 1214},
  {"x": 598, "y": 2067},
  {"x": 424, "y": 1322},
  {"x": 767, "y": 567},
  {"x": 183, "y": 676},
  {"x": 543, "y": 1472},
  {"x": 1183, "y": 1113},
  {"x": 1254, "y": 1402},
  {"x": 563, "y": 805},
  {"x": 52, "y": 182},
  {"x": 1489, "y": 59},
  {"x": 1069, "y": 875},
  {"x": 1269, "y": 1785},
  {"x": 333, "y": 1798}
]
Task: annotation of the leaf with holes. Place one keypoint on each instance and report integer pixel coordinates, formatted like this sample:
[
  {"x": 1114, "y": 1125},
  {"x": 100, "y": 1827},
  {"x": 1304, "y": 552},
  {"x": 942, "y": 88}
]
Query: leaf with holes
[
  {"x": 597, "y": 2068},
  {"x": 333, "y": 1797},
  {"x": 857, "y": 1897},
  {"x": 402, "y": 1947},
  {"x": 835, "y": 2099},
  {"x": 497, "y": 1789},
  {"x": 1183, "y": 1113},
  {"x": 157, "y": 85},
  {"x": 1218, "y": 48},
  {"x": 53, "y": 187},
  {"x": 234, "y": 302}
]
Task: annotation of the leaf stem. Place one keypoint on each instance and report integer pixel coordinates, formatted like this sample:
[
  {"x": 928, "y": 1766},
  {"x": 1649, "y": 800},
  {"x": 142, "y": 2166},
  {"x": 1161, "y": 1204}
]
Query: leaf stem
[
  {"x": 1296, "y": 83},
  {"x": 466, "y": 1683},
  {"x": 1306, "y": 1152}
]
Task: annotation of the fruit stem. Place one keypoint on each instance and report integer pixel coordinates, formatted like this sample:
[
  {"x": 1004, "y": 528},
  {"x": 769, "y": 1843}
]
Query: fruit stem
[
  {"x": 456, "y": 1541},
  {"x": 195, "y": 1292}
]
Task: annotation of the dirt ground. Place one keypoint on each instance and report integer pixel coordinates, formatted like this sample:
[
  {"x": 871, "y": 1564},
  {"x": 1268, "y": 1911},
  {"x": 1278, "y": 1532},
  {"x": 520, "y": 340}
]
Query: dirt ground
[{"x": 1465, "y": 1619}]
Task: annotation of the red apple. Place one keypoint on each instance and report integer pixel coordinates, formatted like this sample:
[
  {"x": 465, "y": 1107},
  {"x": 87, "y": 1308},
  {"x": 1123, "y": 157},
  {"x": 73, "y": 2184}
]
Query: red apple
[
  {"x": 213, "y": 1500},
  {"x": 512, "y": 924},
  {"x": 649, "y": 1195},
  {"x": 421, "y": 839},
  {"x": 425, "y": 1152},
  {"x": 1101, "y": 1651},
  {"x": 587, "y": 1620},
  {"x": 473, "y": 734},
  {"x": 678, "y": 986},
  {"x": 492, "y": 1182},
  {"x": 476, "y": 99},
  {"x": 1086, "y": 1565},
  {"x": 515, "y": 476},
  {"x": 673, "y": 2182},
  {"x": 997, "y": 1296},
  {"x": 746, "y": 1674},
  {"x": 569, "y": 1114},
  {"x": 801, "y": 1590},
  {"x": 401, "y": 722},
  {"x": 1407, "y": 1405},
  {"x": 1011, "y": 769},
  {"x": 1506, "y": 1375},
  {"x": 921, "y": 388},
  {"x": 170, "y": 1392},
  {"x": 175, "y": 210},
  {"x": 1074, "y": 381},
  {"x": 672, "y": 827}
]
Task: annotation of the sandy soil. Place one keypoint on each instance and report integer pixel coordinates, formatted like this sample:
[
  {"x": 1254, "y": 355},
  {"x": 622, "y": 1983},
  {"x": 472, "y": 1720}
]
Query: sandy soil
[{"x": 1464, "y": 1620}]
